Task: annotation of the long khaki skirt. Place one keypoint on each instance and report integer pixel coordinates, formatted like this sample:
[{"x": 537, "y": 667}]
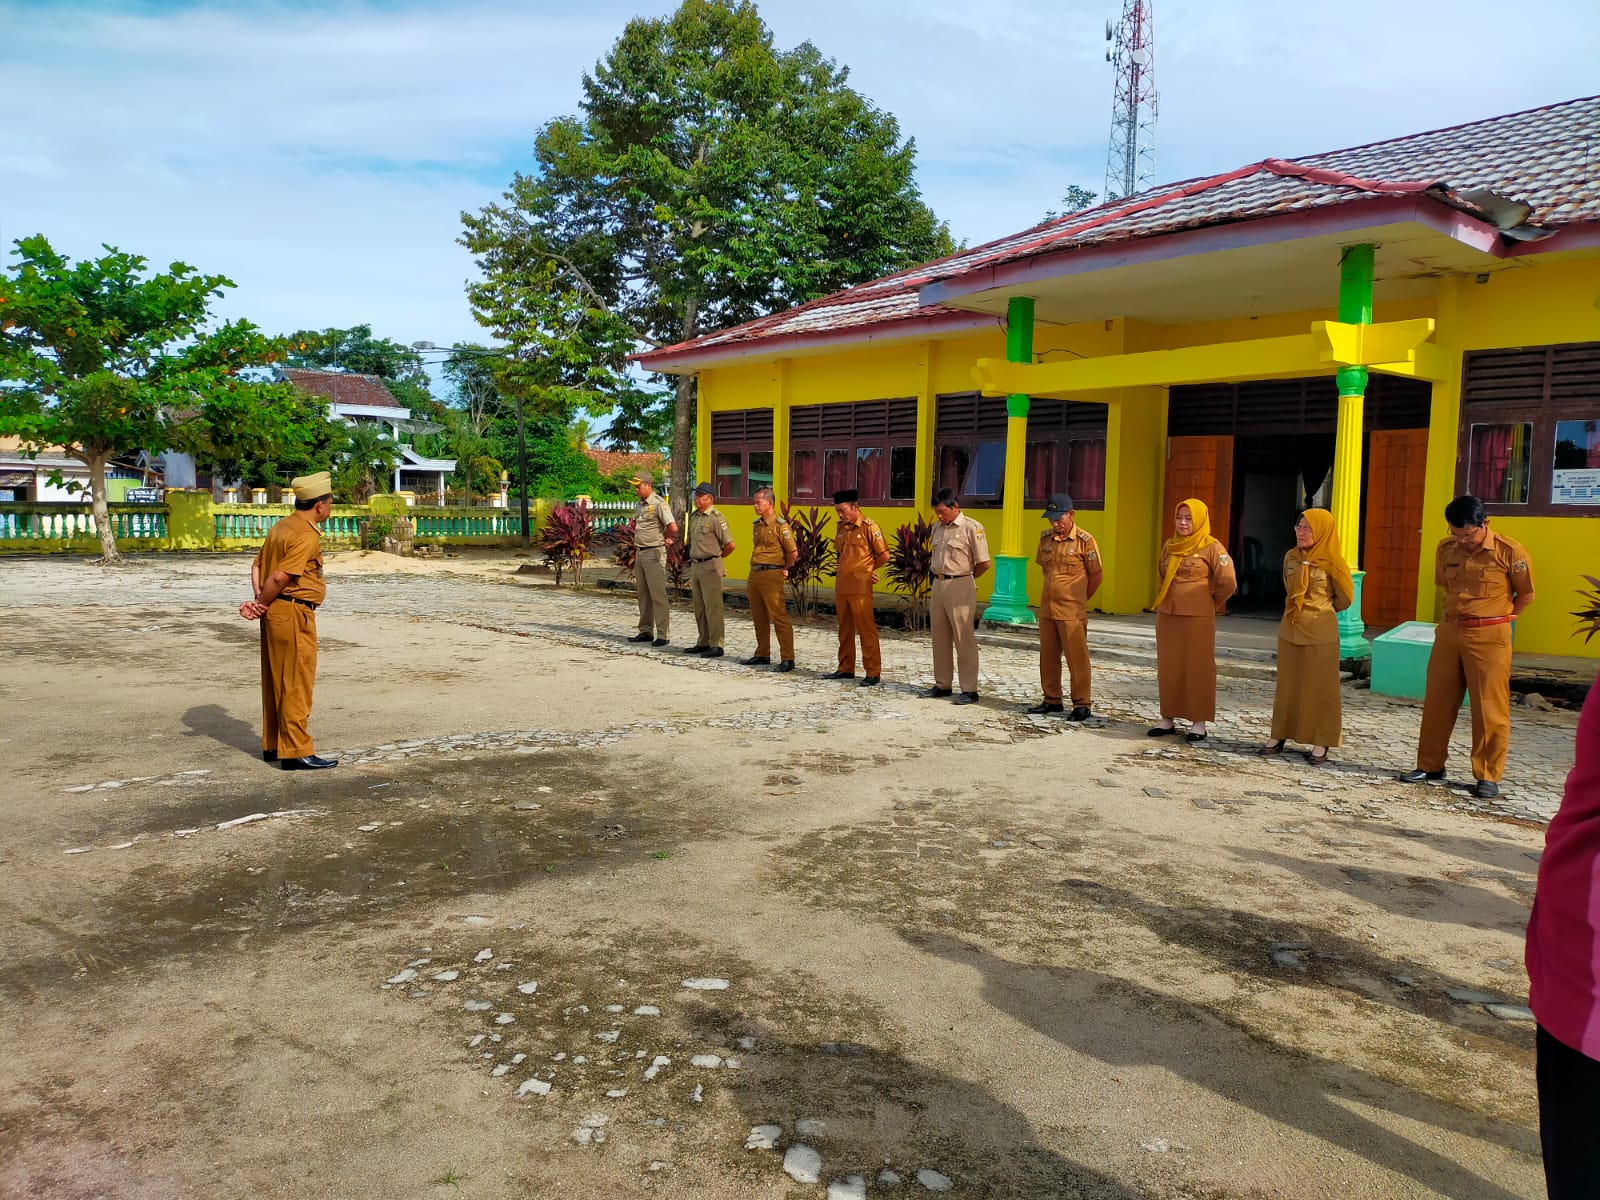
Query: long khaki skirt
[
  {"x": 1186, "y": 666},
  {"x": 1307, "y": 707}
]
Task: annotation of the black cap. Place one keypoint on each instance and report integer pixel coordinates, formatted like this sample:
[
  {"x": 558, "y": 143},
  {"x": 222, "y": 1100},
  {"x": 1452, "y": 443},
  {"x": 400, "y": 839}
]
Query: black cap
[
  {"x": 1060, "y": 506},
  {"x": 704, "y": 489},
  {"x": 846, "y": 496}
]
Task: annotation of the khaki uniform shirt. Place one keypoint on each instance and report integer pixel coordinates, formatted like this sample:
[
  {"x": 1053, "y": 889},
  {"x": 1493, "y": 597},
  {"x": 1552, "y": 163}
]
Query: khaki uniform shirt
[
  {"x": 772, "y": 541},
  {"x": 708, "y": 533},
  {"x": 1202, "y": 585},
  {"x": 294, "y": 547},
  {"x": 960, "y": 547},
  {"x": 856, "y": 546},
  {"x": 1318, "y": 623},
  {"x": 1482, "y": 582},
  {"x": 1068, "y": 562},
  {"x": 651, "y": 519}
]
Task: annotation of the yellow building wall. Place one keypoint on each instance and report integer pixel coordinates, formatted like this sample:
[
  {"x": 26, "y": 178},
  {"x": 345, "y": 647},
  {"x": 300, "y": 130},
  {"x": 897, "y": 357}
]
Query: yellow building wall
[{"x": 1533, "y": 303}]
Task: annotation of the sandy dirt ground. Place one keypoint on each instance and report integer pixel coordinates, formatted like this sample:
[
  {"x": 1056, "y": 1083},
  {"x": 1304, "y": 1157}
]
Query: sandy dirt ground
[{"x": 1021, "y": 960}]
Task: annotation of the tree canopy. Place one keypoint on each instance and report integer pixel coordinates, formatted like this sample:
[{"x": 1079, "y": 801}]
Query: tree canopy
[
  {"x": 708, "y": 178},
  {"x": 356, "y": 350},
  {"x": 105, "y": 358}
]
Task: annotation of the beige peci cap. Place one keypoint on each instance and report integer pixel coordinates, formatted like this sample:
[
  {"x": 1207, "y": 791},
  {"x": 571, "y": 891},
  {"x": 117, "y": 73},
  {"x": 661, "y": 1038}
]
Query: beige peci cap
[{"x": 312, "y": 487}]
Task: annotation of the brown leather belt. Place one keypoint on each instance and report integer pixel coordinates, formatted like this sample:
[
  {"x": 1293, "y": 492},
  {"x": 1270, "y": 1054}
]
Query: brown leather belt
[
  {"x": 766, "y": 566},
  {"x": 300, "y": 602},
  {"x": 1479, "y": 622},
  {"x": 708, "y": 558},
  {"x": 967, "y": 575}
]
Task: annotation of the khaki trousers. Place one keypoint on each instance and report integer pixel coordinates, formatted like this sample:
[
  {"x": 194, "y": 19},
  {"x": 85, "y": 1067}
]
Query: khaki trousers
[
  {"x": 1186, "y": 666},
  {"x": 856, "y": 616},
  {"x": 1071, "y": 636},
  {"x": 767, "y": 610},
  {"x": 1474, "y": 662},
  {"x": 288, "y": 673},
  {"x": 650, "y": 585},
  {"x": 951, "y": 609},
  {"x": 705, "y": 594}
]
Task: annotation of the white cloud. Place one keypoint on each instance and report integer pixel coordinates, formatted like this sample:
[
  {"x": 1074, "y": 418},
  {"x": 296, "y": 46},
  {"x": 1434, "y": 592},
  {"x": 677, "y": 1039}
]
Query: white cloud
[{"x": 320, "y": 154}]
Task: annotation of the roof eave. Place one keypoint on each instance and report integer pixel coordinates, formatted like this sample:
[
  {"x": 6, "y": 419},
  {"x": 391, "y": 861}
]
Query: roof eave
[
  {"x": 1348, "y": 218},
  {"x": 689, "y": 359}
]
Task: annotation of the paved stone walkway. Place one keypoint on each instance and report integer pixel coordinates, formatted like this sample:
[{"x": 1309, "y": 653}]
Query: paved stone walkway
[{"x": 1380, "y": 732}]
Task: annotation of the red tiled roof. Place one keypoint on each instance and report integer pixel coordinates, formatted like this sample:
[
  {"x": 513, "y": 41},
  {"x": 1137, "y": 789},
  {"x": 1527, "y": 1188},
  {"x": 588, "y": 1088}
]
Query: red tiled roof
[
  {"x": 341, "y": 388},
  {"x": 1546, "y": 158},
  {"x": 612, "y": 461}
]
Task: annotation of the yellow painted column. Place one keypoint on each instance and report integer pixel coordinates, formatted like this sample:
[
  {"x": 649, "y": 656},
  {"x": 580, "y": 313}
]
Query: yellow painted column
[
  {"x": 780, "y": 430},
  {"x": 1009, "y": 601},
  {"x": 1355, "y": 308},
  {"x": 926, "y": 408},
  {"x": 1444, "y": 432}
]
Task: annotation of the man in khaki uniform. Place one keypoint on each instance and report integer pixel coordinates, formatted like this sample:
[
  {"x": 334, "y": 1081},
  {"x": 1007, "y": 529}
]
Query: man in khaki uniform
[
  {"x": 1487, "y": 580},
  {"x": 654, "y": 529},
  {"x": 860, "y": 550},
  {"x": 286, "y": 577},
  {"x": 708, "y": 541},
  {"x": 772, "y": 553},
  {"x": 1072, "y": 574},
  {"x": 960, "y": 555}
]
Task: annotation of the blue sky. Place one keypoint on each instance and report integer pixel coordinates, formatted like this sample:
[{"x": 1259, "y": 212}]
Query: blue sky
[{"x": 319, "y": 153}]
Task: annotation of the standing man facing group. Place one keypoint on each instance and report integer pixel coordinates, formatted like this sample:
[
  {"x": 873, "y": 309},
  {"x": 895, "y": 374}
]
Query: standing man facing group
[
  {"x": 772, "y": 552},
  {"x": 860, "y": 550},
  {"x": 1070, "y": 560},
  {"x": 960, "y": 556},
  {"x": 708, "y": 541},
  {"x": 654, "y": 530},
  {"x": 1487, "y": 580},
  {"x": 286, "y": 578}
]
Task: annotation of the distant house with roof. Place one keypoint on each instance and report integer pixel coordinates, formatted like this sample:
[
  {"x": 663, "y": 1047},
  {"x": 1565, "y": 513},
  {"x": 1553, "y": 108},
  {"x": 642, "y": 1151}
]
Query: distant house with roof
[
  {"x": 613, "y": 462},
  {"x": 24, "y": 478},
  {"x": 1374, "y": 329},
  {"x": 359, "y": 399}
]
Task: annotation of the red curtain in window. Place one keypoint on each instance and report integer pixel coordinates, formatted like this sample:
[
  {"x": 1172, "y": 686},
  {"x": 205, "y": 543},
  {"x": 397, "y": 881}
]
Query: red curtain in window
[
  {"x": 803, "y": 475},
  {"x": 1040, "y": 470},
  {"x": 1086, "y": 471},
  {"x": 836, "y": 472},
  {"x": 1490, "y": 461},
  {"x": 872, "y": 476}
]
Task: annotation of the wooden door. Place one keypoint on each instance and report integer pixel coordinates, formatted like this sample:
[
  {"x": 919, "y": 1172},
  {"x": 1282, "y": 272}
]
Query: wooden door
[
  {"x": 1397, "y": 463},
  {"x": 1201, "y": 468}
]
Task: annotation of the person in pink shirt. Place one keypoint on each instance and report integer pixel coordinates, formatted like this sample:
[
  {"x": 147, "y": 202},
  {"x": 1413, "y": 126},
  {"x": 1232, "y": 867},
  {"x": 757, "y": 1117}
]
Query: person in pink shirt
[{"x": 1563, "y": 958}]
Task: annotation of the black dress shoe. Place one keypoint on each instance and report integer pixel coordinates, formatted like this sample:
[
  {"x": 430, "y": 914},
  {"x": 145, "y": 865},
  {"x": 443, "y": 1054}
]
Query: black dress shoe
[
  {"x": 1079, "y": 712},
  {"x": 870, "y": 681},
  {"x": 1485, "y": 790},
  {"x": 1045, "y": 706},
  {"x": 840, "y": 675},
  {"x": 1158, "y": 731},
  {"x": 696, "y": 649},
  {"x": 786, "y": 665},
  {"x": 757, "y": 660},
  {"x": 966, "y": 698},
  {"x": 309, "y": 763},
  {"x": 1420, "y": 776},
  {"x": 713, "y": 652},
  {"x": 938, "y": 693},
  {"x": 640, "y": 637},
  {"x": 269, "y": 756},
  {"x": 659, "y": 642},
  {"x": 1194, "y": 737}
]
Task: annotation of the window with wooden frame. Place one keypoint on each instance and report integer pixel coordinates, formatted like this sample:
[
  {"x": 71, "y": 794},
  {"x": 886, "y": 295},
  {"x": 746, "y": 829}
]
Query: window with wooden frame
[
  {"x": 869, "y": 445},
  {"x": 1529, "y": 441},
  {"x": 741, "y": 453},
  {"x": 1066, "y": 451}
]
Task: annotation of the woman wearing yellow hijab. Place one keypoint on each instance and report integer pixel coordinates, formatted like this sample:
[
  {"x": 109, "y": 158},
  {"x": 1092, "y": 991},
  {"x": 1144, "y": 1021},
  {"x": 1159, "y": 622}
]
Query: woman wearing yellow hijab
[
  {"x": 1196, "y": 580},
  {"x": 1307, "y": 707}
]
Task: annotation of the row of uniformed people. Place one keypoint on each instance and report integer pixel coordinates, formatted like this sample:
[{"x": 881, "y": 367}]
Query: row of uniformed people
[{"x": 1487, "y": 580}]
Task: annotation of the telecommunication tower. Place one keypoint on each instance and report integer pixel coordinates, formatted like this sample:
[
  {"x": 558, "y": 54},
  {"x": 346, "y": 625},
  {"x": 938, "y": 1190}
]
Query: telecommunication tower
[{"x": 1131, "y": 161}]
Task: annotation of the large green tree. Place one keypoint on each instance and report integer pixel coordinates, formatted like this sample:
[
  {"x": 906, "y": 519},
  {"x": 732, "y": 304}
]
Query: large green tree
[
  {"x": 105, "y": 358},
  {"x": 708, "y": 178},
  {"x": 358, "y": 351}
]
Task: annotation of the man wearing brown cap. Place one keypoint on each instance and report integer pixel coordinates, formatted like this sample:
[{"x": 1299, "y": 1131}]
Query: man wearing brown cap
[
  {"x": 960, "y": 555},
  {"x": 654, "y": 529},
  {"x": 708, "y": 541},
  {"x": 287, "y": 578},
  {"x": 860, "y": 550},
  {"x": 1070, "y": 560}
]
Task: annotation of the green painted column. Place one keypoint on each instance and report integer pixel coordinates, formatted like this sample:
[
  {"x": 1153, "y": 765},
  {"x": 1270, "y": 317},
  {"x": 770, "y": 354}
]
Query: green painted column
[
  {"x": 1355, "y": 308},
  {"x": 1009, "y": 601}
]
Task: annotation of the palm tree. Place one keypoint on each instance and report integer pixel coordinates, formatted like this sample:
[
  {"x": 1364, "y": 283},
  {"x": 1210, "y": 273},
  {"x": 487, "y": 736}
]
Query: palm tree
[
  {"x": 580, "y": 430},
  {"x": 366, "y": 461},
  {"x": 477, "y": 468}
]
